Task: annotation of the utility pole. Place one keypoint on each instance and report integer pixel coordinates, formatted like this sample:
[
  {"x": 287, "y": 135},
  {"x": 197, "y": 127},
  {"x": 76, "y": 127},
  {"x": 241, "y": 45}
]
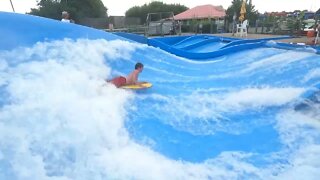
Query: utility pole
[
  {"x": 233, "y": 22},
  {"x": 12, "y": 6}
]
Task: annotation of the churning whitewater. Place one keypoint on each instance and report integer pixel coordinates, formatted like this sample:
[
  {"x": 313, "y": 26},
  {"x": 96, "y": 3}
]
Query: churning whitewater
[{"x": 60, "y": 120}]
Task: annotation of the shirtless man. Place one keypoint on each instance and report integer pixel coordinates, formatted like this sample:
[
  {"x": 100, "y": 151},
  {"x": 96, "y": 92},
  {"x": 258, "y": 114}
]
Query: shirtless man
[{"x": 132, "y": 78}]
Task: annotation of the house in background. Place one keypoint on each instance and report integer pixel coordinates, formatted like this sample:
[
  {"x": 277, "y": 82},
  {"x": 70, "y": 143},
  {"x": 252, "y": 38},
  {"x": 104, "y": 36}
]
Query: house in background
[
  {"x": 202, "y": 19},
  {"x": 98, "y": 23}
]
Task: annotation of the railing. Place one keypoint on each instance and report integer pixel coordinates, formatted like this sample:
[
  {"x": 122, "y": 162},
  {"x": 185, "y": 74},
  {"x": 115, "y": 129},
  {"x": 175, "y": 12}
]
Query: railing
[{"x": 132, "y": 29}]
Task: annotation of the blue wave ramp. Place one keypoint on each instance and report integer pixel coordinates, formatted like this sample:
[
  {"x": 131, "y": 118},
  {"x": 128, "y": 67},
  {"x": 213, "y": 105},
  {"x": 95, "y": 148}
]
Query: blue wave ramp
[{"x": 221, "y": 109}]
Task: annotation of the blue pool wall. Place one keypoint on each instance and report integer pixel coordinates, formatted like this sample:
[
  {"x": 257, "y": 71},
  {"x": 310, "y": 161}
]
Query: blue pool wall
[
  {"x": 170, "y": 44},
  {"x": 22, "y": 30},
  {"x": 14, "y": 28},
  {"x": 205, "y": 55},
  {"x": 135, "y": 37}
]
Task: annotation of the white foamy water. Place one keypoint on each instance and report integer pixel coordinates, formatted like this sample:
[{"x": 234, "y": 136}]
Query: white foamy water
[
  {"x": 313, "y": 74},
  {"x": 202, "y": 109},
  {"x": 300, "y": 132},
  {"x": 279, "y": 61},
  {"x": 61, "y": 122}
]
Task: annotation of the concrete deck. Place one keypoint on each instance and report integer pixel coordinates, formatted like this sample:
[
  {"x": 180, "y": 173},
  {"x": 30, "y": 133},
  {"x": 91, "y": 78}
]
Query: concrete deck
[{"x": 302, "y": 39}]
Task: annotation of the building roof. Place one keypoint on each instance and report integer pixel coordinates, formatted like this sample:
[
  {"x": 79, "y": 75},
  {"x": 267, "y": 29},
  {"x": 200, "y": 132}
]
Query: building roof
[
  {"x": 283, "y": 13},
  {"x": 201, "y": 12}
]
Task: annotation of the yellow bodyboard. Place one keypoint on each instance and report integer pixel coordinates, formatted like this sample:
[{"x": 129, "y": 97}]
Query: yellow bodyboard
[{"x": 144, "y": 85}]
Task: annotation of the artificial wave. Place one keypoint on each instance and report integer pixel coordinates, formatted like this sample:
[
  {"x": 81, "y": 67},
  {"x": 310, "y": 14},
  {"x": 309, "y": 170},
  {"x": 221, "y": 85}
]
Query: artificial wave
[{"x": 250, "y": 114}]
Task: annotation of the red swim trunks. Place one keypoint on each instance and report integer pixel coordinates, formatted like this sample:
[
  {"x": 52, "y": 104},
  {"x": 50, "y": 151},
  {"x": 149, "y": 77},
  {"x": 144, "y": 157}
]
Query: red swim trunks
[{"x": 118, "y": 81}]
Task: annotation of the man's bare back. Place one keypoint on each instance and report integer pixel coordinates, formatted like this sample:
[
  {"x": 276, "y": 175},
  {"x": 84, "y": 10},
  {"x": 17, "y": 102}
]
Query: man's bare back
[{"x": 132, "y": 78}]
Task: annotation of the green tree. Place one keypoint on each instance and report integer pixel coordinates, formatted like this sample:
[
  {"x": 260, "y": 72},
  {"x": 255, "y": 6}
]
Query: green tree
[
  {"x": 154, "y": 7},
  {"x": 76, "y": 8},
  {"x": 235, "y": 7},
  {"x": 47, "y": 8}
]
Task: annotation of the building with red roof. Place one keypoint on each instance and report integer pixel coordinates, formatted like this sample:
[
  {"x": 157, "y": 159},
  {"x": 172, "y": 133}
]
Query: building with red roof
[
  {"x": 202, "y": 12},
  {"x": 205, "y": 18}
]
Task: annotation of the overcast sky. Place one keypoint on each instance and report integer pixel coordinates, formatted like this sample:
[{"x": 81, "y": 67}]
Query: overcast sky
[{"x": 118, "y": 7}]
